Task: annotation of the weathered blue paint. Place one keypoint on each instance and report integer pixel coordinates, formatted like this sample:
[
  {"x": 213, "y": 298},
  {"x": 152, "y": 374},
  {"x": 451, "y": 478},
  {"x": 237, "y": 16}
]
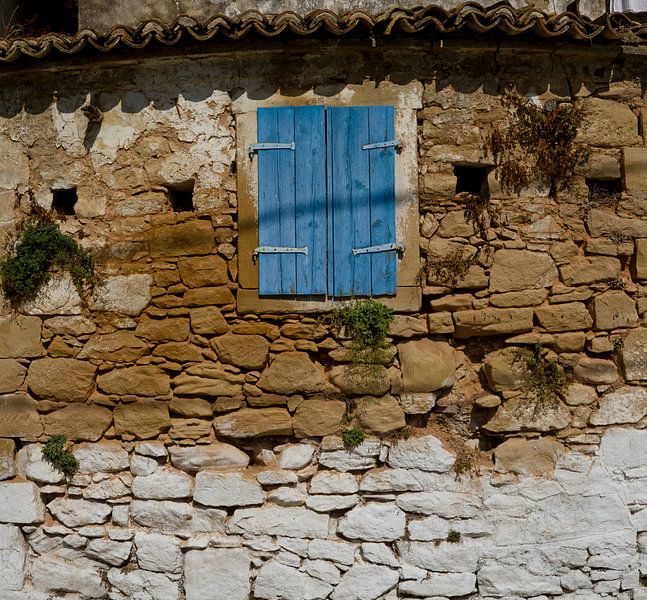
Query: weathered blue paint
[{"x": 329, "y": 195}]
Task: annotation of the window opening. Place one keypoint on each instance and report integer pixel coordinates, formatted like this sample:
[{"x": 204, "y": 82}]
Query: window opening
[
  {"x": 181, "y": 196},
  {"x": 64, "y": 201},
  {"x": 472, "y": 180}
]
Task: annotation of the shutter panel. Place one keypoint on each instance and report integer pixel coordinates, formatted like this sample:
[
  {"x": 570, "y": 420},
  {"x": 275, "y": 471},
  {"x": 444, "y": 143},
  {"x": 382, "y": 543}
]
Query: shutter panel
[
  {"x": 362, "y": 200},
  {"x": 292, "y": 201}
]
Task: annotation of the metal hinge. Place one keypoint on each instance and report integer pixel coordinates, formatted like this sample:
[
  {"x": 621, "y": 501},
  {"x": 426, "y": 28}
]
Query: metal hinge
[
  {"x": 254, "y": 148},
  {"x": 278, "y": 250},
  {"x": 387, "y": 144},
  {"x": 382, "y": 248}
]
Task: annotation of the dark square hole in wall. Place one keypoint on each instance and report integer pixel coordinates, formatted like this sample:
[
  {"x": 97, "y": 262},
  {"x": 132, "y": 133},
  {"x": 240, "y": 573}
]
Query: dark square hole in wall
[
  {"x": 181, "y": 196},
  {"x": 472, "y": 180},
  {"x": 604, "y": 192},
  {"x": 64, "y": 201}
]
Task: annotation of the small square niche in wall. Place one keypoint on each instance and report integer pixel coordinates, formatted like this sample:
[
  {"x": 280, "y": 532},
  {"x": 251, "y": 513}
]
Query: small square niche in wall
[
  {"x": 64, "y": 201},
  {"x": 472, "y": 180},
  {"x": 181, "y": 196},
  {"x": 600, "y": 189}
]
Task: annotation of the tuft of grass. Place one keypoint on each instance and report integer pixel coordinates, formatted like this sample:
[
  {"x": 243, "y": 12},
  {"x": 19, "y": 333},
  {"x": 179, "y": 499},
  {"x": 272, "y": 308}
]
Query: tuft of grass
[
  {"x": 42, "y": 246},
  {"x": 462, "y": 466},
  {"x": 453, "y": 537},
  {"x": 352, "y": 437},
  {"x": 546, "y": 379},
  {"x": 61, "y": 459}
]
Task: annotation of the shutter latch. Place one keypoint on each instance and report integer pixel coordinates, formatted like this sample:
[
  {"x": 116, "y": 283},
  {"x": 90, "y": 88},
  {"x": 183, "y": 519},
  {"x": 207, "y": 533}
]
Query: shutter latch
[
  {"x": 254, "y": 148},
  {"x": 399, "y": 248},
  {"x": 387, "y": 144},
  {"x": 278, "y": 250}
]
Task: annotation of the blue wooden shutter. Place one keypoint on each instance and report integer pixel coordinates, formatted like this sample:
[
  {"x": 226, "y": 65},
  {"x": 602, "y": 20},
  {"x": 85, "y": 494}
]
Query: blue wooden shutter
[
  {"x": 361, "y": 188},
  {"x": 292, "y": 201}
]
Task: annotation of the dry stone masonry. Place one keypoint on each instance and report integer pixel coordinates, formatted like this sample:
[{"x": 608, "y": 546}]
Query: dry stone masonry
[{"x": 211, "y": 462}]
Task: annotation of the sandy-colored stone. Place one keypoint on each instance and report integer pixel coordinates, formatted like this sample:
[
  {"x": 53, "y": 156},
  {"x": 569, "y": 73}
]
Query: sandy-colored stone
[
  {"x": 203, "y": 271},
  {"x": 314, "y": 418},
  {"x": 291, "y": 373},
  {"x": 245, "y": 351},
  {"x": 505, "y": 370},
  {"x": 163, "y": 330},
  {"x": 121, "y": 346},
  {"x": 608, "y": 124},
  {"x": 12, "y": 374},
  {"x": 596, "y": 371},
  {"x": 614, "y": 309},
  {"x": 214, "y": 383},
  {"x": 440, "y": 323},
  {"x": 379, "y": 415},
  {"x": 74, "y": 325},
  {"x": 79, "y": 422},
  {"x": 633, "y": 355},
  {"x": 136, "y": 381},
  {"x": 427, "y": 365},
  {"x": 593, "y": 269},
  {"x": 191, "y": 407},
  {"x": 525, "y": 414},
  {"x": 208, "y": 296},
  {"x": 19, "y": 418},
  {"x": 7, "y": 462},
  {"x": 20, "y": 337},
  {"x": 360, "y": 380},
  {"x": 527, "y": 457},
  {"x": 492, "y": 321},
  {"x": 577, "y": 394},
  {"x": 517, "y": 299},
  {"x": 208, "y": 321},
  {"x": 250, "y": 423},
  {"x": 61, "y": 379},
  {"x": 603, "y": 223},
  {"x": 564, "y": 317},
  {"x": 179, "y": 352},
  {"x": 185, "y": 239},
  {"x": 144, "y": 419},
  {"x": 521, "y": 269}
]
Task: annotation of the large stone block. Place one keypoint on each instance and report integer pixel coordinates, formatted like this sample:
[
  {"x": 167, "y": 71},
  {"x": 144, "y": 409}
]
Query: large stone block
[
  {"x": 226, "y": 490},
  {"x": 20, "y": 337},
  {"x": 74, "y": 512},
  {"x": 173, "y": 516},
  {"x": 379, "y": 415},
  {"x": 505, "y": 581},
  {"x": 315, "y": 418},
  {"x": 163, "y": 485},
  {"x": 633, "y": 355},
  {"x": 14, "y": 553},
  {"x": 291, "y": 373},
  {"x": 185, "y": 239},
  {"x": 521, "y": 270},
  {"x": 640, "y": 259},
  {"x": 603, "y": 223},
  {"x": 360, "y": 380},
  {"x": 608, "y": 124},
  {"x": 20, "y": 503},
  {"x": 61, "y": 379},
  {"x": 136, "y": 381},
  {"x": 158, "y": 553},
  {"x": 492, "y": 321},
  {"x": 7, "y": 463},
  {"x": 423, "y": 453},
  {"x": 131, "y": 584},
  {"x": 585, "y": 271},
  {"x": 427, "y": 365},
  {"x": 121, "y": 346},
  {"x": 277, "y": 581},
  {"x": 144, "y": 419},
  {"x": 287, "y": 522},
  {"x": 214, "y": 574},
  {"x": 123, "y": 294},
  {"x": 505, "y": 370},
  {"x": 373, "y": 522},
  {"x": 527, "y": 414},
  {"x": 614, "y": 309},
  {"x": 216, "y": 455},
  {"x": 163, "y": 330},
  {"x": 15, "y": 173},
  {"x": 19, "y": 417},
  {"x": 368, "y": 581},
  {"x": 203, "y": 271},
  {"x": 79, "y": 422},
  {"x": 635, "y": 169},
  {"x": 628, "y": 404},
  {"x": 104, "y": 457},
  {"x": 79, "y": 576},
  {"x": 58, "y": 296},
  {"x": 571, "y": 316},
  {"x": 245, "y": 351},
  {"x": 596, "y": 371},
  {"x": 208, "y": 321},
  {"x": 12, "y": 374},
  {"x": 528, "y": 457},
  {"x": 250, "y": 423}
]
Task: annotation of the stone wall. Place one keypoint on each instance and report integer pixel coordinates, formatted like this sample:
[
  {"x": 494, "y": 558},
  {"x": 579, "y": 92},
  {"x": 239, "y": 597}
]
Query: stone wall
[{"x": 209, "y": 440}]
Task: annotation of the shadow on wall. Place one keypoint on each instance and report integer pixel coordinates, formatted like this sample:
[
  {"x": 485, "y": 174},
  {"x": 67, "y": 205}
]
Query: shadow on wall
[{"x": 159, "y": 82}]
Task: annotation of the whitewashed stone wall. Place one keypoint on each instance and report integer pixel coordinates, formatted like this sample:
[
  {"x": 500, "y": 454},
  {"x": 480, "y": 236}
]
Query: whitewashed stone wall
[{"x": 143, "y": 521}]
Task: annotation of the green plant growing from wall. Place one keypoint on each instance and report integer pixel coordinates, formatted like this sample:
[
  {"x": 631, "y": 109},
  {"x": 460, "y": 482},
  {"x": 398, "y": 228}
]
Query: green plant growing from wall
[
  {"x": 537, "y": 141},
  {"x": 352, "y": 437},
  {"x": 454, "y": 537},
  {"x": 546, "y": 379},
  {"x": 61, "y": 459},
  {"x": 42, "y": 246},
  {"x": 366, "y": 323}
]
